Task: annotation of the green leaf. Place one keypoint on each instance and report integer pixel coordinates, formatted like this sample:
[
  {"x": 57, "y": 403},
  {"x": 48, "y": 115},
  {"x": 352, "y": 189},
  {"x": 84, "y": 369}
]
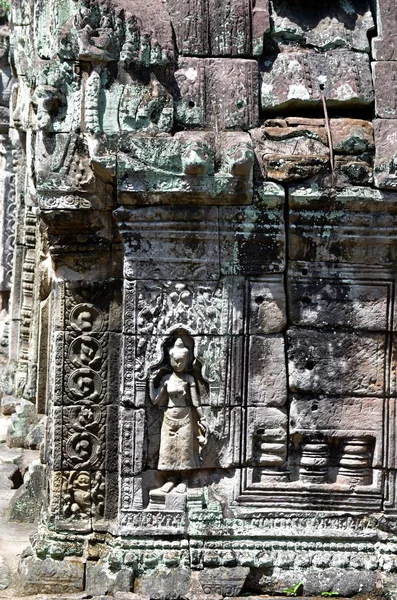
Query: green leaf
[{"x": 294, "y": 591}]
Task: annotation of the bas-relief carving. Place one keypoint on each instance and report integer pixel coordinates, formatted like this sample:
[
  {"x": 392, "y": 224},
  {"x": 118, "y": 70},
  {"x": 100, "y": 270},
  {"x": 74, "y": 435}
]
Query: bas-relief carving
[
  {"x": 180, "y": 430},
  {"x": 251, "y": 386}
]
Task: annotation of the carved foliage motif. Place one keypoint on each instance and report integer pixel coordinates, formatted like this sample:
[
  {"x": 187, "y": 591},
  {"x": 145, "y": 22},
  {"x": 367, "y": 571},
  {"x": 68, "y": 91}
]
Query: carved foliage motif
[
  {"x": 82, "y": 390},
  {"x": 83, "y": 437},
  {"x": 202, "y": 307}
]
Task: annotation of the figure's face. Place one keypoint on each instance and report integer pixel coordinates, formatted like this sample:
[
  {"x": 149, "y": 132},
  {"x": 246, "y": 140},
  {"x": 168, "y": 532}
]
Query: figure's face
[
  {"x": 178, "y": 361},
  {"x": 83, "y": 482},
  {"x": 87, "y": 351}
]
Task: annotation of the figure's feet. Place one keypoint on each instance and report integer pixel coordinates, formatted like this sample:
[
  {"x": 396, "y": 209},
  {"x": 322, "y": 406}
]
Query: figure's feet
[
  {"x": 180, "y": 488},
  {"x": 157, "y": 496},
  {"x": 167, "y": 487}
]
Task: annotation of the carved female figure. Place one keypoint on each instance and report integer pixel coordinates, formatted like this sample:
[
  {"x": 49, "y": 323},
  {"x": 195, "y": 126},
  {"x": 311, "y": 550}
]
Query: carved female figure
[{"x": 182, "y": 434}]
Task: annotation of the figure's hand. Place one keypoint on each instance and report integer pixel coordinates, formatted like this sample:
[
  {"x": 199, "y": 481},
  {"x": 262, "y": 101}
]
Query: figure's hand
[{"x": 202, "y": 426}]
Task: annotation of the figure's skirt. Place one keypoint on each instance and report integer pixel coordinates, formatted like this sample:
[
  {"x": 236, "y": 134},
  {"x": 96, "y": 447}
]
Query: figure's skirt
[{"x": 177, "y": 444}]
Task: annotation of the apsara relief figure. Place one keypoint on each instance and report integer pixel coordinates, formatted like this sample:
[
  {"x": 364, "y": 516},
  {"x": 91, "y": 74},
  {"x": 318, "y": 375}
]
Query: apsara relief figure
[{"x": 183, "y": 431}]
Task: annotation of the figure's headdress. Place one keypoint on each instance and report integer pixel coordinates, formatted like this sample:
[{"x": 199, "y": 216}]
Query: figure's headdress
[{"x": 179, "y": 349}]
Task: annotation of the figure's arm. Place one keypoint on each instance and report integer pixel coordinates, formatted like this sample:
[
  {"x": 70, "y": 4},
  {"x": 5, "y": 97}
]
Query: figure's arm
[
  {"x": 159, "y": 396},
  {"x": 196, "y": 403},
  {"x": 193, "y": 392}
]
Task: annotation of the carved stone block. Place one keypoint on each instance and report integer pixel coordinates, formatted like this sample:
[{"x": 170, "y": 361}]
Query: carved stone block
[
  {"x": 170, "y": 242},
  {"x": 70, "y": 502},
  {"x": 84, "y": 438},
  {"x": 57, "y": 93},
  {"x": 385, "y": 76},
  {"x": 138, "y": 104},
  {"x": 202, "y": 307},
  {"x": 134, "y": 152},
  {"x": 52, "y": 576},
  {"x": 229, "y": 23},
  {"x": 84, "y": 307},
  {"x": 384, "y": 45},
  {"x": 193, "y": 166},
  {"x": 290, "y": 154},
  {"x": 348, "y": 304},
  {"x": 352, "y": 136},
  {"x": 337, "y": 362},
  {"x": 393, "y": 373},
  {"x": 299, "y": 79},
  {"x": 218, "y": 93},
  {"x": 221, "y": 581},
  {"x": 132, "y": 431},
  {"x": 96, "y": 32},
  {"x": 297, "y": 148},
  {"x": 338, "y": 416},
  {"x": 327, "y": 25},
  {"x": 190, "y": 23},
  {"x": 385, "y": 154},
  {"x": 219, "y": 28},
  {"x": 65, "y": 180},
  {"x": 267, "y": 376}
]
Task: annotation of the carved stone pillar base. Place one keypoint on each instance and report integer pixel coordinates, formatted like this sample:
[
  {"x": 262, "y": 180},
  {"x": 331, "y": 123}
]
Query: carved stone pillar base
[
  {"x": 314, "y": 462},
  {"x": 272, "y": 475},
  {"x": 354, "y": 462}
]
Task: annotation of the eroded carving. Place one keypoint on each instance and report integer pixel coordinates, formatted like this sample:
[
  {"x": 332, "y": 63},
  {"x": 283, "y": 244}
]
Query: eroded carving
[{"x": 182, "y": 439}]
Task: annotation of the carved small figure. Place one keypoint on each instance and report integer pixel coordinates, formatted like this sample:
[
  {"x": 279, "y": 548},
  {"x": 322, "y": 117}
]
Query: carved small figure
[{"x": 182, "y": 435}]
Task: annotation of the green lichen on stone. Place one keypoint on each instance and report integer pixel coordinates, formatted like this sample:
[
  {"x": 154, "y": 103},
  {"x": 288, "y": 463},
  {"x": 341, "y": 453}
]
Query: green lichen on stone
[{"x": 4, "y": 10}]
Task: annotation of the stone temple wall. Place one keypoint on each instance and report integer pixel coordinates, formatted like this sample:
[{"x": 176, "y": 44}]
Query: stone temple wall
[{"x": 199, "y": 214}]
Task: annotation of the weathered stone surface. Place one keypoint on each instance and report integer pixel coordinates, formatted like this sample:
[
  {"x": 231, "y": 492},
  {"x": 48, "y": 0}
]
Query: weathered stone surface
[
  {"x": 352, "y": 136},
  {"x": 99, "y": 580},
  {"x": 36, "y": 435},
  {"x": 223, "y": 581},
  {"x": 268, "y": 381},
  {"x": 284, "y": 155},
  {"x": 252, "y": 239},
  {"x": 360, "y": 416},
  {"x": 326, "y": 26},
  {"x": 219, "y": 93},
  {"x": 384, "y": 46},
  {"x": 232, "y": 28},
  {"x": 22, "y": 422},
  {"x": 9, "y": 405},
  {"x": 385, "y": 154},
  {"x": 338, "y": 231},
  {"x": 385, "y": 74},
  {"x": 267, "y": 305},
  {"x": 166, "y": 296},
  {"x": 95, "y": 32},
  {"x": 336, "y": 362},
  {"x": 7, "y": 473},
  {"x": 5, "y": 575},
  {"x": 348, "y": 304},
  {"x": 51, "y": 576},
  {"x": 293, "y": 80},
  {"x": 27, "y": 502},
  {"x": 164, "y": 583},
  {"x": 293, "y": 149},
  {"x": 151, "y": 236},
  {"x": 316, "y": 580},
  {"x": 163, "y": 170}
]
